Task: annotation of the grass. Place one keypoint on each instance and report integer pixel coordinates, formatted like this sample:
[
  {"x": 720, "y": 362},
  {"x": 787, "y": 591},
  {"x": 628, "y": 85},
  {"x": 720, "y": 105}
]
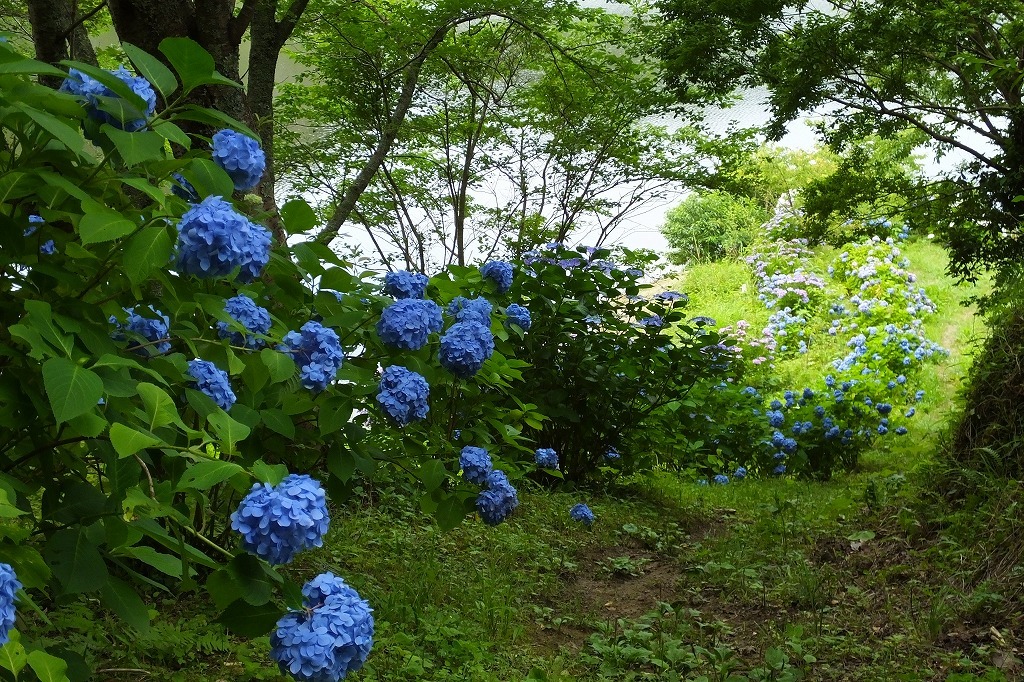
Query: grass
[{"x": 852, "y": 579}]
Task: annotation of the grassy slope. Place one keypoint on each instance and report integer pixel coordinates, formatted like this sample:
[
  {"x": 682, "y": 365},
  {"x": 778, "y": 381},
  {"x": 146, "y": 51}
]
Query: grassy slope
[{"x": 757, "y": 580}]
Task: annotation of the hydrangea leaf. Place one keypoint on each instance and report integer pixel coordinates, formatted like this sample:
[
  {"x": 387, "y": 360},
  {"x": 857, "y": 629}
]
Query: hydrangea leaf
[
  {"x": 194, "y": 65},
  {"x": 246, "y": 620},
  {"x": 249, "y": 574},
  {"x": 229, "y": 430},
  {"x": 153, "y": 69},
  {"x": 145, "y": 252},
  {"x": 278, "y": 422},
  {"x": 432, "y": 473},
  {"x": 28, "y": 563},
  {"x": 298, "y": 217},
  {"x": 281, "y": 366},
  {"x": 122, "y": 599},
  {"x": 73, "y": 556},
  {"x": 128, "y": 441},
  {"x": 61, "y": 131},
  {"x": 135, "y": 147},
  {"x": 48, "y": 668},
  {"x": 208, "y": 178},
  {"x": 72, "y": 390},
  {"x": 269, "y": 473},
  {"x": 205, "y": 474},
  {"x": 103, "y": 225},
  {"x": 12, "y": 654}
]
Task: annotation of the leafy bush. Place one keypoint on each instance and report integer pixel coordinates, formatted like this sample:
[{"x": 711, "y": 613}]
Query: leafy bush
[
  {"x": 713, "y": 225},
  {"x": 603, "y": 359},
  {"x": 160, "y": 356}
]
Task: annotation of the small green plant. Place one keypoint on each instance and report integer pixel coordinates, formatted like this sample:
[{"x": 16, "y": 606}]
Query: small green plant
[{"x": 624, "y": 566}]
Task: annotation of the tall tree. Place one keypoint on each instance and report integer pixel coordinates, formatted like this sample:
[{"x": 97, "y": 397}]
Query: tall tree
[{"x": 947, "y": 69}]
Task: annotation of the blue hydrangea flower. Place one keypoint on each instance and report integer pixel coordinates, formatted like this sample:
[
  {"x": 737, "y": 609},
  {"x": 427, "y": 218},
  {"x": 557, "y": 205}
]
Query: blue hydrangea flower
[
  {"x": 317, "y": 351},
  {"x": 404, "y": 395},
  {"x": 405, "y": 284},
  {"x": 48, "y": 248},
  {"x": 882, "y": 429},
  {"x": 612, "y": 455},
  {"x": 184, "y": 189},
  {"x": 465, "y": 310},
  {"x": 276, "y": 522},
  {"x": 669, "y": 296},
  {"x": 910, "y": 413},
  {"x": 329, "y": 638},
  {"x": 213, "y": 382},
  {"x": 779, "y": 470},
  {"x": 476, "y": 464},
  {"x": 740, "y": 473},
  {"x": 34, "y": 221},
  {"x": 214, "y": 239},
  {"x": 408, "y": 322},
  {"x": 465, "y": 347},
  {"x": 500, "y": 272},
  {"x": 919, "y": 395},
  {"x": 721, "y": 479},
  {"x": 901, "y": 430},
  {"x": 9, "y": 585},
  {"x": 519, "y": 316},
  {"x": 88, "y": 88},
  {"x": 582, "y": 513},
  {"x": 546, "y": 458},
  {"x": 776, "y": 418},
  {"x": 654, "y": 321},
  {"x": 240, "y": 156},
  {"x": 253, "y": 318},
  {"x": 153, "y": 330},
  {"x": 498, "y": 501}
]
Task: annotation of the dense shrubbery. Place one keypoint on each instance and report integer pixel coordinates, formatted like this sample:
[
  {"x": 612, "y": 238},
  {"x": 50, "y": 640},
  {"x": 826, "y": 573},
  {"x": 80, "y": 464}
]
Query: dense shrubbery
[
  {"x": 863, "y": 315},
  {"x": 706, "y": 227}
]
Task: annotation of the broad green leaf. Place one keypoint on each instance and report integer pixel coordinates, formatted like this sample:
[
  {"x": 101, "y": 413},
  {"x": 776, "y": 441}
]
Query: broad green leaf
[
  {"x": 12, "y": 654},
  {"x": 14, "y": 185},
  {"x": 229, "y": 430},
  {"x": 153, "y": 69},
  {"x": 128, "y": 441},
  {"x": 249, "y": 574},
  {"x": 7, "y": 508},
  {"x": 135, "y": 147},
  {"x": 72, "y": 390},
  {"x": 74, "y": 557},
  {"x": 246, "y": 620},
  {"x": 215, "y": 119},
  {"x": 194, "y": 65},
  {"x": 146, "y": 187},
  {"x": 28, "y": 563},
  {"x": 31, "y": 67},
  {"x": 269, "y": 473},
  {"x": 298, "y": 217},
  {"x": 208, "y": 178},
  {"x": 145, "y": 252},
  {"x": 451, "y": 511},
  {"x": 281, "y": 365},
  {"x": 165, "y": 563},
  {"x": 205, "y": 474},
  {"x": 160, "y": 408},
  {"x": 48, "y": 668},
  {"x": 103, "y": 226},
  {"x": 122, "y": 599},
  {"x": 278, "y": 422},
  {"x": 172, "y": 133},
  {"x": 68, "y": 136},
  {"x": 41, "y": 318},
  {"x": 432, "y": 473}
]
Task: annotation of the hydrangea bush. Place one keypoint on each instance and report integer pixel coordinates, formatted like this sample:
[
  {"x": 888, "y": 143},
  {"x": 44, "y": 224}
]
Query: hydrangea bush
[{"x": 175, "y": 378}]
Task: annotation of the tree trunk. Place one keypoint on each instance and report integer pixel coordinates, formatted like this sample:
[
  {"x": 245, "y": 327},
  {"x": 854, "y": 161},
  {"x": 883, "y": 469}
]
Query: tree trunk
[{"x": 53, "y": 35}]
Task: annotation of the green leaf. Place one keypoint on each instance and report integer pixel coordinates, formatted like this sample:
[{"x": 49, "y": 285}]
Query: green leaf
[
  {"x": 278, "y": 422},
  {"x": 40, "y": 317},
  {"x": 246, "y": 620},
  {"x": 230, "y": 431},
  {"x": 146, "y": 187},
  {"x": 214, "y": 118},
  {"x": 451, "y": 511},
  {"x": 72, "y": 390},
  {"x": 48, "y": 668},
  {"x": 298, "y": 217},
  {"x": 68, "y": 136},
  {"x": 147, "y": 251},
  {"x": 281, "y": 365},
  {"x": 165, "y": 563},
  {"x": 122, "y": 599},
  {"x": 248, "y": 573},
  {"x": 31, "y": 67},
  {"x": 136, "y": 147},
  {"x": 128, "y": 441},
  {"x": 160, "y": 408},
  {"x": 208, "y": 178},
  {"x": 15, "y": 184},
  {"x": 12, "y": 654},
  {"x": 432, "y": 473},
  {"x": 205, "y": 474},
  {"x": 103, "y": 226},
  {"x": 153, "y": 69},
  {"x": 28, "y": 564},
  {"x": 269, "y": 473},
  {"x": 194, "y": 65},
  {"x": 172, "y": 133},
  {"x": 7, "y": 509},
  {"x": 74, "y": 557}
]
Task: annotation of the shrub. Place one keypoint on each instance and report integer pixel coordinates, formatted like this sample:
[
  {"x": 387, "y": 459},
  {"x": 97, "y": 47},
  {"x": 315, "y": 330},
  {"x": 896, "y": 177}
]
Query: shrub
[{"x": 706, "y": 227}]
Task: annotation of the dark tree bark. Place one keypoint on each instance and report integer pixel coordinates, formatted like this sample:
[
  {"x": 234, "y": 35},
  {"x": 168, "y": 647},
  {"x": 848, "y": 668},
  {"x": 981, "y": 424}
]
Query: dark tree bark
[{"x": 58, "y": 33}]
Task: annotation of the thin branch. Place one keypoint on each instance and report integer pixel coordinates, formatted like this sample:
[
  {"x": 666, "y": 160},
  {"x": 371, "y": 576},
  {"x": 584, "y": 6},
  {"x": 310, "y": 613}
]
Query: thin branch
[{"x": 84, "y": 18}]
